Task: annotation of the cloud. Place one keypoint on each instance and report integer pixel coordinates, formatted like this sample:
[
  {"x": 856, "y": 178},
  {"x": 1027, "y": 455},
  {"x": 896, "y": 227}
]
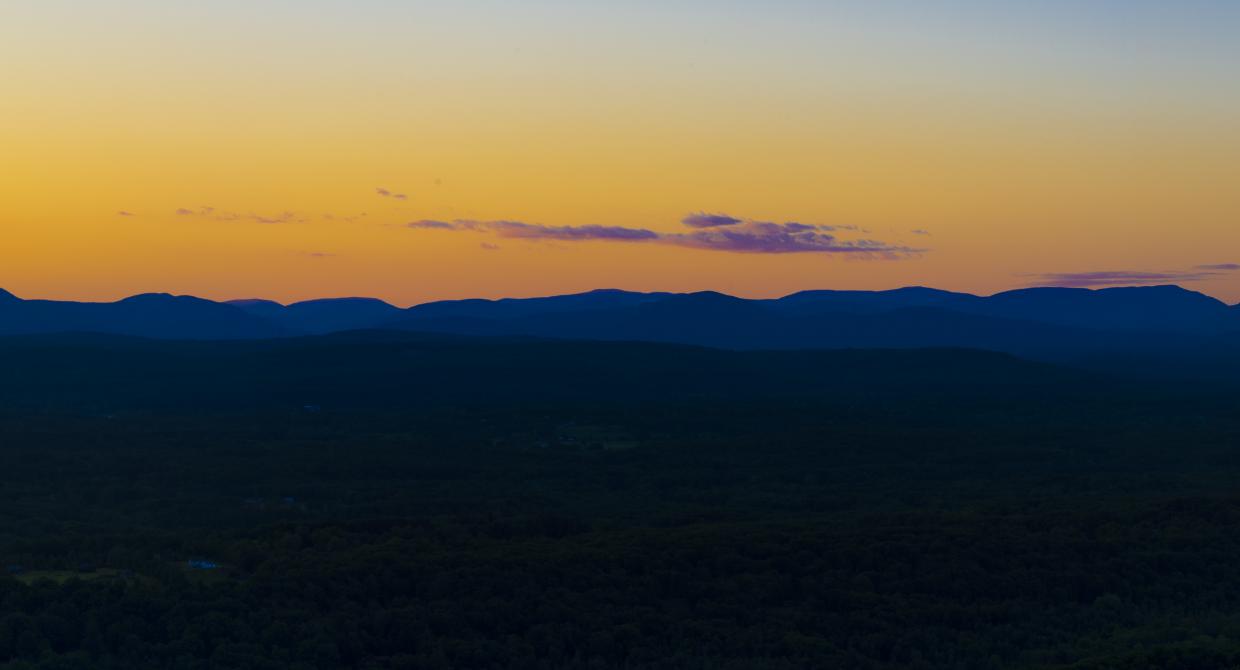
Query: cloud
[
  {"x": 383, "y": 192},
  {"x": 124, "y": 213},
  {"x": 704, "y": 220},
  {"x": 532, "y": 231},
  {"x": 1220, "y": 267},
  {"x": 318, "y": 254},
  {"x": 221, "y": 215},
  {"x": 282, "y": 217},
  {"x": 742, "y": 236},
  {"x": 439, "y": 225},
  {"x": 346, "y": 218},
  {"x": 920, "y": 231},
  {"x": 762, "y": 237},
  {"x": 207, "y": 212},
  {"x": 489, "y": 247},
  {"x": 1123, "y": 278}
]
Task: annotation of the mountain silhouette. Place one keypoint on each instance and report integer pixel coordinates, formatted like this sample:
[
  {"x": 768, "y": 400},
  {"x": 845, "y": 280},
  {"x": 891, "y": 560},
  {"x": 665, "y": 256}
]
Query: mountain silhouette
[
  {"x": 1031, "y": 321},
  {"x": 326, "y": 315},
  {"x": 1152, "y": 308},
  {"x": 1040, "y": 322},
  {"x": 520, "y": 307},
  {"x": 810, "y": 302},
  {"x": 155, "y": 315}
]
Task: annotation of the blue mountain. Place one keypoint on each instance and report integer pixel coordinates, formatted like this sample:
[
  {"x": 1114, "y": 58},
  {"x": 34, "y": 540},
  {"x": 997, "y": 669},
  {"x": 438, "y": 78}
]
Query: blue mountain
[
  {"x": 1148, "y": 308},
  {"x": 267, "y": 309},
  {"x": 157, "y": 315},
  {"x": 327, "y": 315},
  {"x": 870, "y": 302},
  {"x": 507, "y": 308},
  {"x": 1037, "y": 322},
  {"x": 1044, "y": 322}
]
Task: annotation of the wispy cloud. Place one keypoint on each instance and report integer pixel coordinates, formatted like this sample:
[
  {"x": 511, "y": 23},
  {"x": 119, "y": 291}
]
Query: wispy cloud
[
  {"x": 427, "y": 224},
  {"x": 125, "y": 213},
  {"x": 762, "y": 237},
  {"x": 224, "y": 215},
  {"x": 383, "y": 192},
  {"x": 920, "y": 231},
  {"x": 282, "y": 217},
  {"x": 318, "y": 254},
  {"x": 711, "y": 232},
  {"x": 533, "y": 231},
  {"x": 345, "y": 218},
  {"x": 704, "y": 220},
  {"x": 1133, "y": 278}
]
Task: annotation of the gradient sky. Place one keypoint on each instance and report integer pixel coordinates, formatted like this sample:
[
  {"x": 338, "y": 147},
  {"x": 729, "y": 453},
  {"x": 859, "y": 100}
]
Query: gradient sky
[{"x": 978, "y": 146}]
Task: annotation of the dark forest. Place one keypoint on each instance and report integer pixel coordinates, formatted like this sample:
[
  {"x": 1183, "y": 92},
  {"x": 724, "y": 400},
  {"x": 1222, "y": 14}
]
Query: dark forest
[{"x": 378, "y": 500}]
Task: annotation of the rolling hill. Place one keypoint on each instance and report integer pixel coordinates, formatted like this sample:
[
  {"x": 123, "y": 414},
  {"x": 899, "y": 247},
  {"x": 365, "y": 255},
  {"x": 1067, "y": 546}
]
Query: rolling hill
[{"x": 1051, "y": 323}]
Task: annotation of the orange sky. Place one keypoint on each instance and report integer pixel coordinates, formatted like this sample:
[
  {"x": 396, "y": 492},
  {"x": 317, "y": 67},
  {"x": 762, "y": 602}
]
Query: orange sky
[{"x": 1062, "y": 142}]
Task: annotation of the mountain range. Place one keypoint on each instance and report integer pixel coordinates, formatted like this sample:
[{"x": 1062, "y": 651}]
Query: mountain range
[{"x": 1037, "y": 322}]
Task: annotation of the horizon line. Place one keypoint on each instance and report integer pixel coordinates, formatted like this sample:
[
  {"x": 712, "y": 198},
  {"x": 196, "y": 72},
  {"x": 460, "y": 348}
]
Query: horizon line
[{"x": 4, "y": 292}]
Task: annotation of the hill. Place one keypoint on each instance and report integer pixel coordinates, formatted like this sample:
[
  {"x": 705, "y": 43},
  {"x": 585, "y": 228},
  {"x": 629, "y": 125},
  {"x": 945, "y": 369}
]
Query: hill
[
  {"x": 1047, "y": 323},
  {"x": 384, "y": 369},
  {"x": 157, "y": 315}
]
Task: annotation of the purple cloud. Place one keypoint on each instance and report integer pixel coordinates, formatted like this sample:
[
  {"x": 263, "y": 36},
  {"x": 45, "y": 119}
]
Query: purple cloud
[
  {"x": 921, "y": 231},
  {"x": 1122, "y": 278},
  {"x": 436, "y": 225},
  {"x": 761, "y": 237},
  {"x": 519, "y": 230},
  {"x": 704, "y": 220},
  {"x": 756, "y": 237},
  {"x": 532, "y": 231},
  {"x": 1220, "y": 267}
]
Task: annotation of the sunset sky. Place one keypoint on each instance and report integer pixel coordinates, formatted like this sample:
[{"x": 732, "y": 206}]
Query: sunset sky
[{"x": 412, "y": 150}]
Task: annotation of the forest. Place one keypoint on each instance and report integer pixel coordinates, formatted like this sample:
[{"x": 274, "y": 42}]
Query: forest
[{"x": 382, "y": 500}]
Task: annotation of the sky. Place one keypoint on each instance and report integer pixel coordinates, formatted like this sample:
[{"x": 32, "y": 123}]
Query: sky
[{"x": 416, "y": 150}]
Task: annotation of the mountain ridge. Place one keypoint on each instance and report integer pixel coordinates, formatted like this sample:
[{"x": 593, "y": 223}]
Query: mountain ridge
[{"x": 1039, "y": 322}]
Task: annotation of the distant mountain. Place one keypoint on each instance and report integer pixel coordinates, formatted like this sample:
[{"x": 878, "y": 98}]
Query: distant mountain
[
  {"x": 1149, "y": 308},
  {"x": 322, "y": 316},
  {"x": 267, "y": 309},
  {"x": 869, "y": 302},
  {"x": 740, "y": 324},
  {"x": 1040, "y": 322},
  {"x": 157, "y": 315},
  {"x": 508, "y": 308}
]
